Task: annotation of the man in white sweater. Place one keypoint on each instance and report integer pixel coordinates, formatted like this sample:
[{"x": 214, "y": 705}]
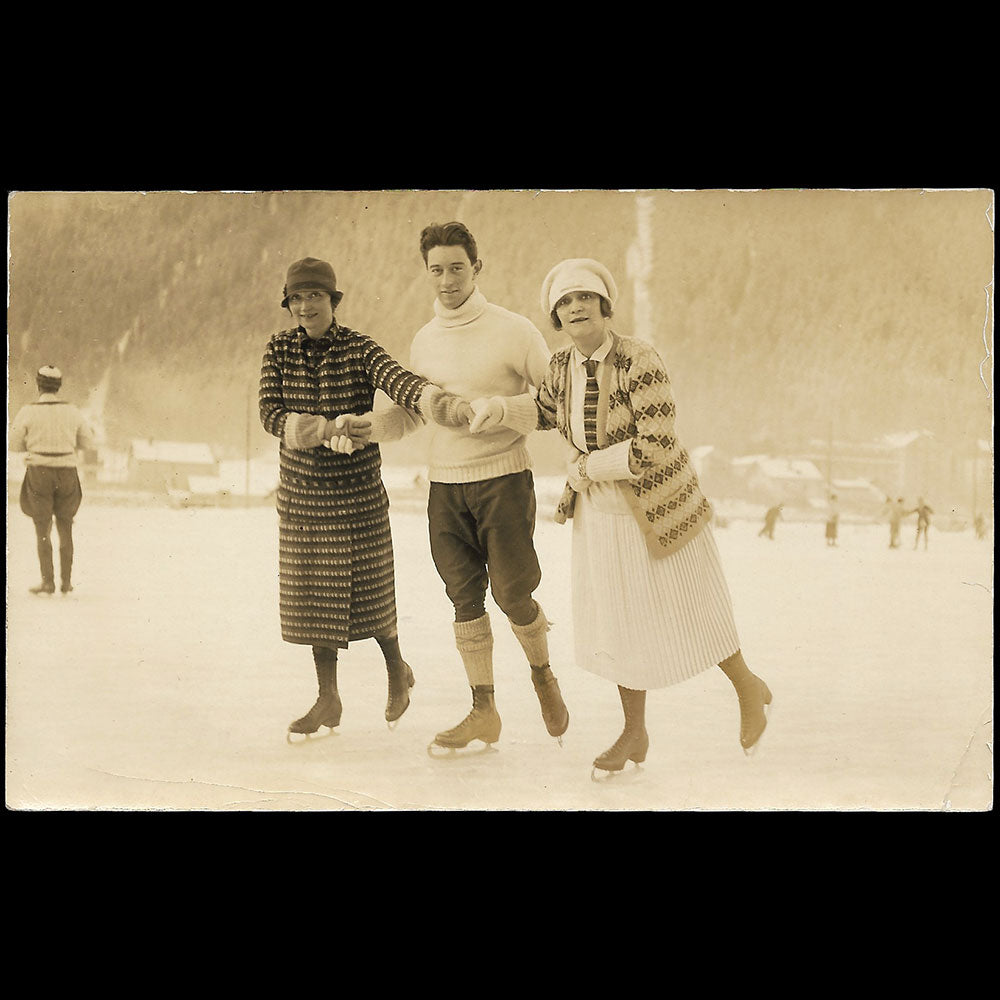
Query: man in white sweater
[
  {"x": 481, "y": 509},
  {"x": 51, "y": 431}
]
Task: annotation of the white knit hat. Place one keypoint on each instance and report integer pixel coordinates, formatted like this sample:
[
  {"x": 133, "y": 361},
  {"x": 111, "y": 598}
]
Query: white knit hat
[
  {"x": 48, "y": 378},
  {"x": 579, "y": 274}
]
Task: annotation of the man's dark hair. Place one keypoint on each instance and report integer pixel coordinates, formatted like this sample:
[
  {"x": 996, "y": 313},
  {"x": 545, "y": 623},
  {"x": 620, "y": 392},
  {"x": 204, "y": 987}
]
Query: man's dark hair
[{"x": 451, "y": 234}]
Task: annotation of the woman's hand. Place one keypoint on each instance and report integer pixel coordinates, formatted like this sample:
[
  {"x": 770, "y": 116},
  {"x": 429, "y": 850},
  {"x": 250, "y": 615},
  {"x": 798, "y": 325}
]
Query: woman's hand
[
  {"x": 348, "y": 433},
  {"x": 576, "y": 473},
  {"x": 341, "y": 443},
  {"x": 445, "y": 408}
]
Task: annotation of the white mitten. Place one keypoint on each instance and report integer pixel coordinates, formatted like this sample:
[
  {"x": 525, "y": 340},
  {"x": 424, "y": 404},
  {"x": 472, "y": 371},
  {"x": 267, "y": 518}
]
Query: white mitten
[{"x": 489, "y": 413}]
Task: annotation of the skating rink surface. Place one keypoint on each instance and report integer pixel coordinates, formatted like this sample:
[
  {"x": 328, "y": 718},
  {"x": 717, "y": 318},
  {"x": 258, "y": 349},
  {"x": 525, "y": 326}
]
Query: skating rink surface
[{"x": 162, "y": 682}]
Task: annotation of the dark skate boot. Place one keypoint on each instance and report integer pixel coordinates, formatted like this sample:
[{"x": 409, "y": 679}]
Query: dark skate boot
[
  {"x": 48, "y": 573},
  {"x": 400, "y": 681},
  {"x": 755, "y": 697},
  {"x": 65, "y": 570},
  {"x": 328, "y": 708},
  {"x": 555, "y": 715},
  {"x": 633, "y": 744},
  {"x": 482, "y": 723}
]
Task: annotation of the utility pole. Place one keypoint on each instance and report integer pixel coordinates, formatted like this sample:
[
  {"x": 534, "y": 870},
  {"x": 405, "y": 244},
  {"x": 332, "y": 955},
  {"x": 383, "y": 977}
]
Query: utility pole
[
  {"x": 829, "y": 458},
  {"x": 246, "y": 486},
  {"x": 639, "y": 265}
]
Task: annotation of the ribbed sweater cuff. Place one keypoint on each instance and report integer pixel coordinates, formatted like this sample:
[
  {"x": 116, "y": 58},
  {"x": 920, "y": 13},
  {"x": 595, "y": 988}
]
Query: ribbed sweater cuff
[
  {"x": 444, "y": 408},
  {"x": 393, "y": 423},
  {"x": 609, "y": 464},
  {"x": 520, "y": 413},
  {"x": 304, "y": 430}
]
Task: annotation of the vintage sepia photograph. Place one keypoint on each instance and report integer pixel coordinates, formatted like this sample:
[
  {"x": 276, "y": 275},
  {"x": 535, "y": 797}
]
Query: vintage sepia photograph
[{"x": 585, "y": 500}]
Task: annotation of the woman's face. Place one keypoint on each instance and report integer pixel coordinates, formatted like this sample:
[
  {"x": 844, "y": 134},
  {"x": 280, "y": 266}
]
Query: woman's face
[
  {"x": 580, "y": 315},
  {"x": 312, "y": 309}
]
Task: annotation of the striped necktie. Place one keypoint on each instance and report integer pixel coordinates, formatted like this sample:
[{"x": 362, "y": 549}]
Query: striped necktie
[{"x": 590, "y": 405}]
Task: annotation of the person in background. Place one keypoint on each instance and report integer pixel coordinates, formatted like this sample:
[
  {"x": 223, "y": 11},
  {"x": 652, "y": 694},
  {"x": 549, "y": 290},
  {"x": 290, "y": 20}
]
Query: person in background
[
  {"x": 832, "y": 520},
  {"x": 651, "y": 607},
  {"x": 923, "y": 512},
  {"x": 336, "y": 571},
  {"x": 51, "y": 431},
  {"x": 897, "y": 511},
  {"x": 771, "y": 517},
  {"x": 481, "y": 502}
]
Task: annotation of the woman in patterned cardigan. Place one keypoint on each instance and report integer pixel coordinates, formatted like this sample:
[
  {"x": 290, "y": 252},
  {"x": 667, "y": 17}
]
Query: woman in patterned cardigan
[
  {"x": 650, "y": 600},
  {"x": 336, "y": 574}
]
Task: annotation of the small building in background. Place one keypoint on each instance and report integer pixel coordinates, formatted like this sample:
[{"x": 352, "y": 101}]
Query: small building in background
[
  {"x": 162, "y": 466},
  {"x": 793, "y": 482}
]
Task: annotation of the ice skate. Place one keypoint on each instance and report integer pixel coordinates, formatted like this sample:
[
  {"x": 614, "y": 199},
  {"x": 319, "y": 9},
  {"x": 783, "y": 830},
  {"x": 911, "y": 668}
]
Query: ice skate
[
  {"x": 324, "y": 715},
  {"x": 632, "y": 745},
  {"x": 754, "y": 711},
  {"x": 400, "y": 681},
  {"x": 45, "y": 587},
  {"x": 555, "y": 715},
  {"x": 482, "y": 723}
]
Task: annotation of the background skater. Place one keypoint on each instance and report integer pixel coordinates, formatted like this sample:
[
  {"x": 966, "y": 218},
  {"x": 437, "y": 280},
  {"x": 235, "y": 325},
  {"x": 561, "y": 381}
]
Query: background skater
[
  {"x": 51, "y": 431},
  {"x": 832, "y": 520},
  {"x": 923, "y": 512},
  {"x": 770, "y": 520}
]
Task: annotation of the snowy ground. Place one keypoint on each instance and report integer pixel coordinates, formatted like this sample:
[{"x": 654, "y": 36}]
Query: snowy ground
[{"x": 162, "y": 683}]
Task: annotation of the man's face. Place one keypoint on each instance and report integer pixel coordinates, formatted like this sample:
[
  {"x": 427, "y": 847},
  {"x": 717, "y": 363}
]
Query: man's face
[
  {"x": 452, "y": 274},
  {"x": 312, "y": 309}
]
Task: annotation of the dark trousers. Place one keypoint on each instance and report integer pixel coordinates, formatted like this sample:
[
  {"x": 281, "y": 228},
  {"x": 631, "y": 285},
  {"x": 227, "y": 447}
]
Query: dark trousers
[
  {"x": 49, "y": 492},
  {"x": 481, "y": 535}
]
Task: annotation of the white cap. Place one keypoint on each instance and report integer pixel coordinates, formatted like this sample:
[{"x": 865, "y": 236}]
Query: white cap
[{"x": 579, "y": 274}]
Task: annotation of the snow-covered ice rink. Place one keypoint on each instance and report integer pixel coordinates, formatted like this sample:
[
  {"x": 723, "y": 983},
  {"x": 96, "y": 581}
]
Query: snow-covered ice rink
[{"x": 162, "y": 682}]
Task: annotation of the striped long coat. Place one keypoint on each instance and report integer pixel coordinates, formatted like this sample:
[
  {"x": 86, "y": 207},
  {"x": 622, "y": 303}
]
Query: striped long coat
[{"x": 336, "y": 576}]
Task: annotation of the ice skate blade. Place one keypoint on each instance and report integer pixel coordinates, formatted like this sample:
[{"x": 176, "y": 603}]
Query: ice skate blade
[
  {"x": 438, "y": 752},
  {"x": 599, "y": 776},
  {"x": 297, "y": 739}
]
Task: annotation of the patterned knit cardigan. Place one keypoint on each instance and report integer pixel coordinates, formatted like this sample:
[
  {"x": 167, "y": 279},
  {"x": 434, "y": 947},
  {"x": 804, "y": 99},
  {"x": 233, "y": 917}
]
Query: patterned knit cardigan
[{"x": 636, "y": 403}]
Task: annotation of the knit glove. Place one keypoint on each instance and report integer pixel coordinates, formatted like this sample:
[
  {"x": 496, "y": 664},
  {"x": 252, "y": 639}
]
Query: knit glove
[
  {"x": 341, "y": 443},
  {"x": 347, "y": 429},
  {"x": 489, "y": 413},
  {"x": 576, "y": 473},
  {"x": 445, "y": 408}
]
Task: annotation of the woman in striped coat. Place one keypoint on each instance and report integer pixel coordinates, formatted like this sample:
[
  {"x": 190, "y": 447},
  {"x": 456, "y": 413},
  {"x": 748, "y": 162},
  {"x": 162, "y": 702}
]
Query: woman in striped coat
[
  {"x": 650, "y": 603},
  {"x": 336, "y": 575}
]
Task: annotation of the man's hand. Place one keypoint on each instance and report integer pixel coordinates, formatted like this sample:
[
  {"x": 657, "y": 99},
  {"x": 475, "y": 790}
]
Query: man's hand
[{"x": 489, "y": 413}]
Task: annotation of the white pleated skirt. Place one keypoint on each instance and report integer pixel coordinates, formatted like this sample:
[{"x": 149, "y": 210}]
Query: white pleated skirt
[{"x": 641, "y": 622}]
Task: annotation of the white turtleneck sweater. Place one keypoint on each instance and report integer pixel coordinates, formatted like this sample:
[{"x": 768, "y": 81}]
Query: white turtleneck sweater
[{"x": 477, "y": 350}]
